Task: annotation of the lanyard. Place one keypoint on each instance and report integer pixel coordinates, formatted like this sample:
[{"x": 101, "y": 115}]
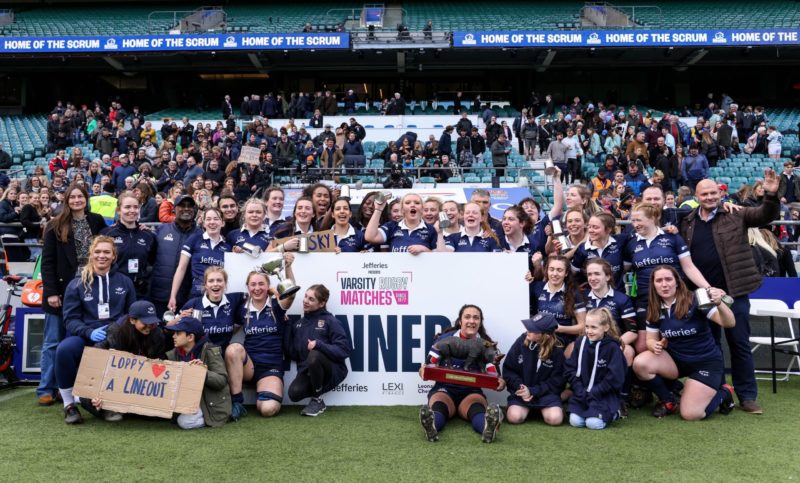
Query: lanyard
[{"x": 100, "y": 289}]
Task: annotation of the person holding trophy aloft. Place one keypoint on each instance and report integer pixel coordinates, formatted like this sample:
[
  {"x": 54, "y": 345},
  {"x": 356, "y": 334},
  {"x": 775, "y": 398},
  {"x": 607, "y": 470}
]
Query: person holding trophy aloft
[{"x": 259, "y": 358}]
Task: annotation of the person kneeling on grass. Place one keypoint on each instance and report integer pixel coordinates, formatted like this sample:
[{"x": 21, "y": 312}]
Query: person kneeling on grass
[
  {"x": 320, "y": 346},
  {"x": 192, "y": 346},
  {"x": 534, "y": 372},
  {"x": 680, "y": 344},
  {"x": 596, "y": 371},
  {"x": 445, "y": 400},
  {"x": 260, "y": 357}
]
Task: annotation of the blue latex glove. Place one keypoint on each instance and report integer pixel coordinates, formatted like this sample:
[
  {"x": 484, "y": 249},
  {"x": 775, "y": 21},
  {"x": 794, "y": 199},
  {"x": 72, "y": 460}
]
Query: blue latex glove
[{"x": 99, "y": 334}]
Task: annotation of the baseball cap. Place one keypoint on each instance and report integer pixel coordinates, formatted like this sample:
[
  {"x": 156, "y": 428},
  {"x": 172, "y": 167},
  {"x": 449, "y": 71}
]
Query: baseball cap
[
  {"x": 182, "y": 198},
  {"x": 540, "y": 323},
  {"x": 190, "y": 325},
  {"x": 723, "y": 187},
  {"x": 144, "y": 311}
]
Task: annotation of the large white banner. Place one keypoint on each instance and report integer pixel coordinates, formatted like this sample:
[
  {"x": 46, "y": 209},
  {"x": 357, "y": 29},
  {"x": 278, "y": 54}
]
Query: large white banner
[{"x": 392, "y": 305}]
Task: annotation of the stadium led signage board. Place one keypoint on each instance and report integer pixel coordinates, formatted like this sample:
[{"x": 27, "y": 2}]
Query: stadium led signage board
[
  {"x": 171, "y": 43},
  {"x": 627, "y": 38}
]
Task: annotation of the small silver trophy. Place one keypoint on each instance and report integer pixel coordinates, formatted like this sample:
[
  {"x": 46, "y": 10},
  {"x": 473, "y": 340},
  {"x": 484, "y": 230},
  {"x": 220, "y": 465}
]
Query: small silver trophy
[
  {"x": 344, "y": 192},
  {"x": 549, "y": 167},
  {"x": 252, "y": 250},
  {"x": 444, "y": 221},
  {"x": 382, "y": 197},
  {"x": 703, "y": 299},
  {"x": 303, "y": 247},
  {"x": 286, "y": 286},
  {"x": 558, "y": 234}
]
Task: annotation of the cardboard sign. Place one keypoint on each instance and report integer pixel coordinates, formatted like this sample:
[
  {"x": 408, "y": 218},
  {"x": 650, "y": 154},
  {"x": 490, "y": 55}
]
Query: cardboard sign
[
  {"x": 133, "y": 384},
  {"x": 250, "y": 155},
  {"x": 320, "y": 241}
]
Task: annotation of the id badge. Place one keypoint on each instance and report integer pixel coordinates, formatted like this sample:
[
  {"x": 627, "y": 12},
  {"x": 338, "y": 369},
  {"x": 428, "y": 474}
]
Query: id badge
[
  {"x": 133, "y": 265},
  {"x": 103, "y": 311}
]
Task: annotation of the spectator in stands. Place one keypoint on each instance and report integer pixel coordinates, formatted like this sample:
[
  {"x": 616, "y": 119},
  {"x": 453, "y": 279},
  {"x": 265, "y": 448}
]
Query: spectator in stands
[
  {"x": 9, "y": 213},
  {"x": 397, "y": 105},
  {"x": 501, "y": 148},
  {"x": 66, "y": 248},
  {"x": 59, "y": 161},
  {"x": 529, "y": 137},
  {"x": 34, "y": 216},
  {"x": 120, "y": 173},
  {"x": 353, "y": 147},
  {"x": 5, "y": 158},
  {"x": 477, "y": 146},
  {"x": 635, "y": 180},
  {"x": 789, "y": 189},
  {"x": 774, "y": 142},
  {"x": 702, "y": 230},
  {"x": 695, "y": 167},
  {"x": 755, "y": 196},
  {"x": 193, "y": 170},
  {"x": 599, "y": 183},
  {"x": 573, "y": 155},
  {"x": 517, "y": 125},
  {"x": 492, "y": 130}
]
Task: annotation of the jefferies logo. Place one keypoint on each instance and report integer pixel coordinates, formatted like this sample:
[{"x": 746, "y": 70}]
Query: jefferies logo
[
  {"x": 350, "y": 388},
  {"x": 392, "y": 388}
]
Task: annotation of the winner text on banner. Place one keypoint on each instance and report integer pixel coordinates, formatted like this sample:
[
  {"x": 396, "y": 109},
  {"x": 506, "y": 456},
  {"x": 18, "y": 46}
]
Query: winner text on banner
[{"x": 392, "y": 305}]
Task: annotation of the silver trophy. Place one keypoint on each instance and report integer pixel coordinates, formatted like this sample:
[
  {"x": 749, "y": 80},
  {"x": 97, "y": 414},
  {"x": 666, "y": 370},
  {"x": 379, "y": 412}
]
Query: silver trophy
[
  {"x": 382, "y": 197},
  {"x": 286, "y": 286},
  {"x": 168, "y": 317},
  {"x": 252, "y": 250},
  {"x": 444, "y": 221},
  {"x": 344, "y": 192},
  {"x": 703, "y": 299},
  {"x": 197, "y": 314},
  {"x": 549, "y": 167},
  {"x": 303, "y": 246},
  {"x": 558, "y": 234}
]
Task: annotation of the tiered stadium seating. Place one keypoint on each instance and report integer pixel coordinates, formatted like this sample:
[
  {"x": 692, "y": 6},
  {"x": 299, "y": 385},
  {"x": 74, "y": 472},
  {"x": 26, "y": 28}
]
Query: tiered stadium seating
[
  {"x": 507, "y": 15},
  {"x": 448, "y": 15},
  {"x": 129, "y": 20}
]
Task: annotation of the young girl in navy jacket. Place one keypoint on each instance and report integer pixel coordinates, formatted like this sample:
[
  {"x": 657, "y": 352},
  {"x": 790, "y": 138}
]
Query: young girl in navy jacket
[
  {"x": 596, "y": 371},
  {"x": 320, "y": 346},
  {"x": 534, "y": 372}
]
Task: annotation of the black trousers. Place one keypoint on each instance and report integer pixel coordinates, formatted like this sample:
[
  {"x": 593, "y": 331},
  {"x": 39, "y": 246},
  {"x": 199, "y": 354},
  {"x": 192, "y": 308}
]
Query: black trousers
[{"x": 311, "y": 381}]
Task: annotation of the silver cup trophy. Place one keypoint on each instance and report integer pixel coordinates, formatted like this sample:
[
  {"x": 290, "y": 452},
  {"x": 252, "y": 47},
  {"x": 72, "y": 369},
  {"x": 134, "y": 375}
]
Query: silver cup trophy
[
  {"x": 344, "y": 192},
  {"x": 197, "y": 314},
  {"x": 382, "y": 197},
  {"x": 444, "y": 221},
  {"x": 549, "y": 167},
  {"x": 558, "y": 234},
  {"x": 168, "y": 317},
  {"x": 286, "y": 286},
  {"x": 703, "y": 299},
  {"x": 252, "y": 250}
]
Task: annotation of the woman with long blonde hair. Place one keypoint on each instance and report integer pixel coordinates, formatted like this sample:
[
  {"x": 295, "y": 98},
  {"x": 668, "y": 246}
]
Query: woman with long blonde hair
[{"x": 97, "y": 297}]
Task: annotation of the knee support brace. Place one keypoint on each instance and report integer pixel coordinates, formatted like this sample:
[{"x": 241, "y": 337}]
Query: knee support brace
[{"x": 267, "y": 396}]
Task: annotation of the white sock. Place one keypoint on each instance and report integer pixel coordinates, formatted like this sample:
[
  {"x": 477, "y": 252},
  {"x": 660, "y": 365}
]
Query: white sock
[{"x": 67, "y": 397}]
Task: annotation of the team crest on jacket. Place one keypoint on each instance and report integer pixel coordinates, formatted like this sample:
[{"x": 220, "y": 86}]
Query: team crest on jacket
[
  {"x": 118, "y": 240},
  {"x": 168, "y": 237},
  {"x": 320, "y": 323}
]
